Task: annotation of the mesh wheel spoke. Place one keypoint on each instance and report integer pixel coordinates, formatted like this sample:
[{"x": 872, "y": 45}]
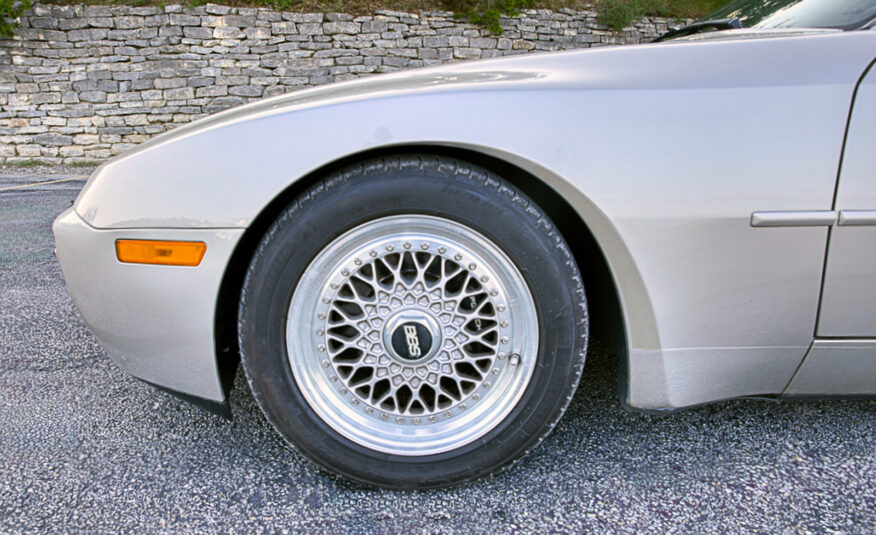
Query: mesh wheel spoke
[{"x": 423, "y": 281}]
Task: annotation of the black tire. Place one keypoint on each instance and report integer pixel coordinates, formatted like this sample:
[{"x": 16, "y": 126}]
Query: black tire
[{"x": 430, "y": 186}]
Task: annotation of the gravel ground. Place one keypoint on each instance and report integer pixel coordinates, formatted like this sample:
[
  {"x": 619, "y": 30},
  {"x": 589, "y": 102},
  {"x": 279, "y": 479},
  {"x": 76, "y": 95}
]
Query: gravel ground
[
  {"x": 12, "y": 175},
  {"x": 85, "y": 448}
]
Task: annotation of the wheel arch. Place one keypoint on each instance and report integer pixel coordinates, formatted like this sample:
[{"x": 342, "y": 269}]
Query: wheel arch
[{"x": 609, "y": 320}]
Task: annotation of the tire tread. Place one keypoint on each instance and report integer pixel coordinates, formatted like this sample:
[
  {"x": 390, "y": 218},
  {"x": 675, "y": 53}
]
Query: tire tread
[{"x": 444, "y": 165}]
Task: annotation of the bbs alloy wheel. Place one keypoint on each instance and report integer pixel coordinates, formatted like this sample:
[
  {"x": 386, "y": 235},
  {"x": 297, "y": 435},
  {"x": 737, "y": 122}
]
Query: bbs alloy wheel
[
  {"x": 413, "y": 322},
  {"x": 413, "y": 349}
]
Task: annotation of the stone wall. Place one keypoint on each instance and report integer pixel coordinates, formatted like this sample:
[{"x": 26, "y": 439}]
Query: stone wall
[{"x": 79, "y": 84}]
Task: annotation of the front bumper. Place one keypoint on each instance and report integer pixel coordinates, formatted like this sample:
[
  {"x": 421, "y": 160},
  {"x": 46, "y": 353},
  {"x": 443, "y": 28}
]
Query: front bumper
[{"x": 155, "y": 322}]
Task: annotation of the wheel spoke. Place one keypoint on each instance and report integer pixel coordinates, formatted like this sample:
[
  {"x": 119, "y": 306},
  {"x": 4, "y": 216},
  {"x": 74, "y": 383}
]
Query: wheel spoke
[{"x": 422, "y": 280}]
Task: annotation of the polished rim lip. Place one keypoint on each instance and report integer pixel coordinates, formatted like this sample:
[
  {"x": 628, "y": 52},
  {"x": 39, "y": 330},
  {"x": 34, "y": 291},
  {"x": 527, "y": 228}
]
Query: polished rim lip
[{"x": 406, "y": 439}]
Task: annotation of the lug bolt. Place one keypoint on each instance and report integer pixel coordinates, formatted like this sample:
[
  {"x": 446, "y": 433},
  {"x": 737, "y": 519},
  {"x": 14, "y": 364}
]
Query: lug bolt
[
  {"x": 501, "y": 356},
  {"x": 357, "y": 262},
  {"x": 448, "y": 414},
  {"x": 487, "y": 384},
  {"x": 373, "y": 253},
  {"x": 369, "y": 410},
  {"x": 494, "y": 292},
  {"x": 500, "y": 308},
  {"x": 321, "y": 315},
  {"x": 326, "y": 300},
  {"x": 424, "y": 246},
  {"x": 503, "y": 323},
  {"x": 457, "y": 257},
  {"x": 390, "y": 247},
  {"x": 432, "y": 418},
  {"x": 333, "y": 378},
  {"x": 475, "y": 396},
  {"x": 343, "y": 391},
  {"x": 407, "y": 245},
  {"x": 334, "y": 286},
  {"x": 320, "y": 332},
  {"x": 472, "y": 267},
  {"x": 485, "y": 278},
  {"x": 383, "y": 416},
  {"x": 399, "y": 420},
  {"x": 495, "y": 371},
  {"x": 442, "y": 250},
  {"x": 320, "y": 348},
  {"x": 354, "y": 401},
  {"x": 325, "y": 364},
  {"x": 345, "y": 272},
  {"x": 504, "y": 340},
  {"x": 463, "y": 406},
  {"x": 416, "y": 421}
]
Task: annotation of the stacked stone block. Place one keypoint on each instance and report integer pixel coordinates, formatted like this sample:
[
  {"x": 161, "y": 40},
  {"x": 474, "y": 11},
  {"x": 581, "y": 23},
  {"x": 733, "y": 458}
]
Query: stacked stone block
[{"x": 79, "y": 84}]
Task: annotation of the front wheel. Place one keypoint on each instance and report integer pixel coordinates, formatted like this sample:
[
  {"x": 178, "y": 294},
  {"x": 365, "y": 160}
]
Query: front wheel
[{"x": 413, "y": 322}]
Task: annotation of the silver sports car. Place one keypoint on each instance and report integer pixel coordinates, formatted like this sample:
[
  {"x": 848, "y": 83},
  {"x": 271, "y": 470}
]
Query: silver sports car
[{"x": 409, "y": 266}]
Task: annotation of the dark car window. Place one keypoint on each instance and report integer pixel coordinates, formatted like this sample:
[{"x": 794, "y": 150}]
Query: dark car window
[{"x": 839, "y": 14}]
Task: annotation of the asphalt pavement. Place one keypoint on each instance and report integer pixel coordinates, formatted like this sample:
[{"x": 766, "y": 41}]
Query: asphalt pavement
[{"x": 85, "y": 448}]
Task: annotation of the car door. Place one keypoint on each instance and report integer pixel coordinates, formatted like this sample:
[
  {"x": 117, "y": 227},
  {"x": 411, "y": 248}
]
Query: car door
[{"x": 842, "y": 359}]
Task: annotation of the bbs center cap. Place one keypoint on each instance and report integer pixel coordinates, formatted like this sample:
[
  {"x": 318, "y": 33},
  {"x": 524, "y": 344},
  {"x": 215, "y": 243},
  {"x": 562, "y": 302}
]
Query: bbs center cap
[{"x": 412, "y": 337}]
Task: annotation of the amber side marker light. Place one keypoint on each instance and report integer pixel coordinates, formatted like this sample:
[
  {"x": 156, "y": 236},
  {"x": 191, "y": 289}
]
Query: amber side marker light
[{"x": 165, "y": 253}]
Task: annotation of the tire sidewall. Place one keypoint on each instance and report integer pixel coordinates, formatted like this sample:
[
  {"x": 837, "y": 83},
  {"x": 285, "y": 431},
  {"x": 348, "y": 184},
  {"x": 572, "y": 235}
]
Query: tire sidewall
[{"x": 474, "y": 199}]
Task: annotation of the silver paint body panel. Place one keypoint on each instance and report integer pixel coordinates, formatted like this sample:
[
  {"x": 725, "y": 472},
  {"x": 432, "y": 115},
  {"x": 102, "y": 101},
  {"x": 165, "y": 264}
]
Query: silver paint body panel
[
  {"x": 665, "y": 151},
  {"x": 155, "y": 322},
  {"x": 848, "y": 307},
  {"x": 837, "y": 367}
]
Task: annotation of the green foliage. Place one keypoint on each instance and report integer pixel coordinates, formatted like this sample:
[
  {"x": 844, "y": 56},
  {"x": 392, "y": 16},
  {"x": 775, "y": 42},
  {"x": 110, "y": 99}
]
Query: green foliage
[
  {"x": 487, "y": 12},
  {"x": 9, "y": 10},
  {"x": 282, "y": 5},
  {"x": 26, "y": 163},
  {"x": 613, "y": 13},
  {"x": 620, "y": 13},
  {"x": 617, "y": 14}
]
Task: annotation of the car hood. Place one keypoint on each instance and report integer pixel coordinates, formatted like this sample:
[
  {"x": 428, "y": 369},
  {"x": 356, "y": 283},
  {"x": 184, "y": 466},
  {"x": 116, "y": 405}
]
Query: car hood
[
  {"x": 627, "y": 67},
  {"x": 489, "y": 74},
  {"x": 219, "y": 172}
]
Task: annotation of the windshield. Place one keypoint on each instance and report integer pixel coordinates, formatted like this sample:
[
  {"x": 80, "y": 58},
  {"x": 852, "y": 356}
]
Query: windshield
[{"x": 838, "y": 14}]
